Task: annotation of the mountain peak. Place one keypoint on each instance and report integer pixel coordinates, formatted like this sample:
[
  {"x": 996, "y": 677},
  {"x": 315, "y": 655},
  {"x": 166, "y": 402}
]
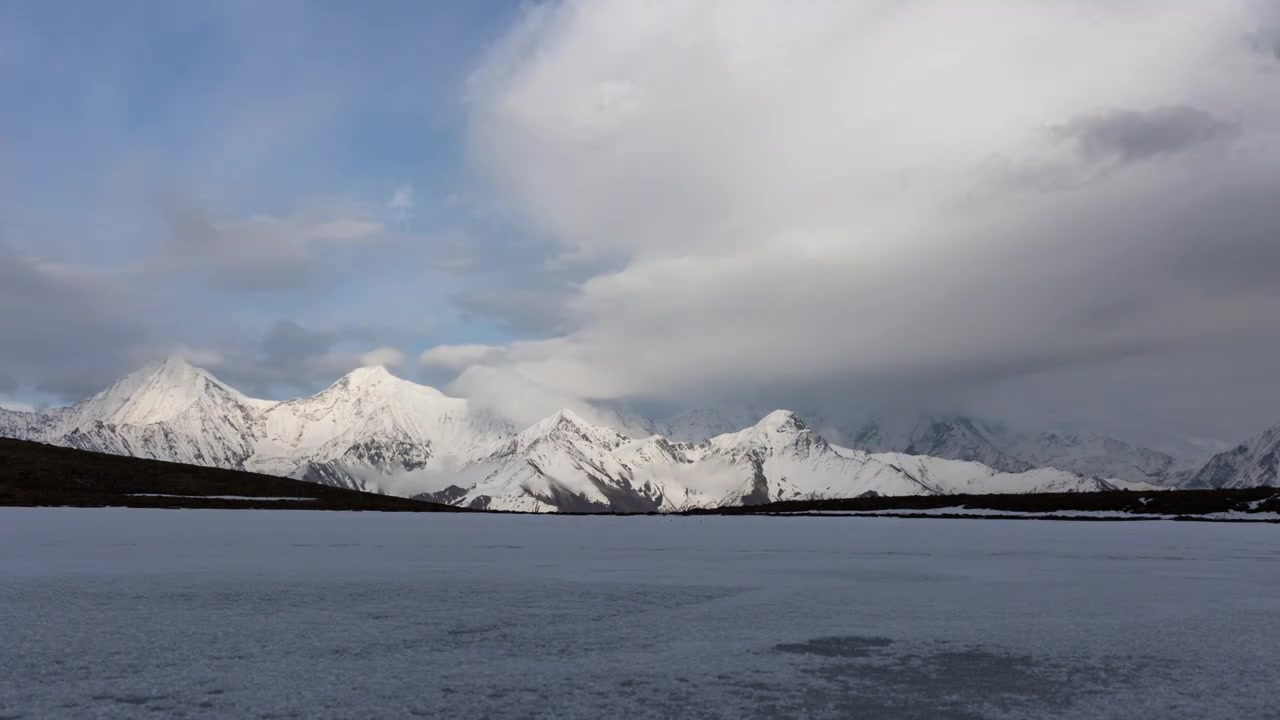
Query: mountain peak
[
  {"x": 779, "y": 431},
  {"x": 566, "y": 423},
  {"x": 370, "y": 373},
  {"x": 170, "y": 373},
  {"x": 563, "y": 417},
  {"x": 378, "y": 377},
  {"x": 158, "y": 391},
  {"x": 782, "y": 421},
  {"x": 173, "y": 366}
]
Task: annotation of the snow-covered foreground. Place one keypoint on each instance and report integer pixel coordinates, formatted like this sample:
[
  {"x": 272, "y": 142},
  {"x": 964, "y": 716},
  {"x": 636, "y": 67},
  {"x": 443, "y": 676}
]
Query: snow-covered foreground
[{"x": 125, "y": 613}]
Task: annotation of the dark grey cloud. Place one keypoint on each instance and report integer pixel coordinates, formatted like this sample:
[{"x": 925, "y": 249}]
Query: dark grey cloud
[
  {"x": 287, "y": 344},
  {"x": 288, "y": 359},
  {"x": 865, "y": 249},
  {"x": 261, "y": 253},
  {"x": 522, "y": 311},
  {"x": 197, "y": 245},
  {"x": 1267, "y": 41},
  {"x": 66, "y": 330},
  {"x": 1134, "y": 135}
]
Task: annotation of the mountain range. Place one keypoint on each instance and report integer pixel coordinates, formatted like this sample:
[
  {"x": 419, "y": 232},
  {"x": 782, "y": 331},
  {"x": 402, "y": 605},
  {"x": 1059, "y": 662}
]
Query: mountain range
[{"x": 376, "y": 432}]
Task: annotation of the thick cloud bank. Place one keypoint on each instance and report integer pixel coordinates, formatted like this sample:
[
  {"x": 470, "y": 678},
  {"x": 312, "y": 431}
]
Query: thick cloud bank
[{"x": 889, "y": 198}]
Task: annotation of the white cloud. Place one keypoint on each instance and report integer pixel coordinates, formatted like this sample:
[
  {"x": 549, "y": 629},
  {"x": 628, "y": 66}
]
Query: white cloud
[
  {"x": 459, "y": 357},
  {"x": 388, "y": 357},
  {"x": 841, "y": 193},
  {"x": 342, "y": 229},
  {"x": 401, "y": 202},
  {"x": 17, "y": 406}
]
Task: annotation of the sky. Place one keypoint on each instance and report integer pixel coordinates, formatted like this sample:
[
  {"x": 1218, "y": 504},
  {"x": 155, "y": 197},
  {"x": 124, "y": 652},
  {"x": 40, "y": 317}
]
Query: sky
[{"x": 1060, "y": 214}]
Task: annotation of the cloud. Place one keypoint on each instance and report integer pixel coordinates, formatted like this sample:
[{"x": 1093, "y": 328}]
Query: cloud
[
  {"x": 52, "y": 314},
  {"x": 401, "y": 202},
  {"x": 287, "y": 344},
  {"x": 518, "y": 398},
  {"x": 388, "y": 357},
  {"x": 804, "y": 199},
  {"x": 207, "y": 358},
  {"x": 1130, "y": 136},
  {"x": 261, "y": 252},
  {"x": 1267, "y": 41},
  {"x": 250, "y": 172},
  {"x": 459, "y": 357},
  {"x": 291, "y": 359},
  {"x": 522, "y": 310},
  {"x": 669, "y": 202}
]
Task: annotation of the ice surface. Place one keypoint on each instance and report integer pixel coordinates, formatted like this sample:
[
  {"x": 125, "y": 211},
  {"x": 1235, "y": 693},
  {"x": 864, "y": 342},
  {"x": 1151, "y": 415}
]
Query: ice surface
[{"x": 260, "y": 613}]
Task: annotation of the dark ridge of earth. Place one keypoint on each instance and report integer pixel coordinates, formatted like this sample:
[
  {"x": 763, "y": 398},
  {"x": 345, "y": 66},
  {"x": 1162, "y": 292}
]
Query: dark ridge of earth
[
  {"x": 35, "y": 474},
  {"x": 1187, "y": 503}
]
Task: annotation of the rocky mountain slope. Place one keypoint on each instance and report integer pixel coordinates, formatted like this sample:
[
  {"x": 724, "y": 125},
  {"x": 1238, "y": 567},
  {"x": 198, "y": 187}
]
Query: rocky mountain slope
[{"x": 1253, "y": 463}]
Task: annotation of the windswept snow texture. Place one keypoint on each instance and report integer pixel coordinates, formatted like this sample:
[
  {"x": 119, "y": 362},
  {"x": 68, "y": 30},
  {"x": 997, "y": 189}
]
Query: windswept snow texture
[{"x": 124, "y": 613}]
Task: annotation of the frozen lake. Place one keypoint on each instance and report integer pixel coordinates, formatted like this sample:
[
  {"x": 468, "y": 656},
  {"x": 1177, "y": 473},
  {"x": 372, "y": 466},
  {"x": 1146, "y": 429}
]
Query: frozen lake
[{"x": 271, "y": 614}]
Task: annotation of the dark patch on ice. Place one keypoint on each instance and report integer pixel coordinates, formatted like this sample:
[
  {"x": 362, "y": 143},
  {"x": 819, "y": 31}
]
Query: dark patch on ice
[
  {"x": 130, "y": 699},
  {"x": 863, "y": 676},
  {"x": 841, "y": 647}
]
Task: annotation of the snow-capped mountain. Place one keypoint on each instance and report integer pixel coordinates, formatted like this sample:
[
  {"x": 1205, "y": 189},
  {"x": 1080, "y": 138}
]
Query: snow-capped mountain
[
  {"x": 23, "y": 425},
  {"x": 953, "y": 437},
  {"x": 373, "y": 431},
  {"x": 369, "y": 430},
  {"x": 565, "y": 463},
  {"x": 166, "y": 411},
  {"x": 1253, "y": 463},
  {"x": 965, "y": 477},
  {"x": 701, "y": 424},
  {"x": 1096, "y": 454},
  {"x": 561, "y": 463},
  {"x": 787, "y": 460}
]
